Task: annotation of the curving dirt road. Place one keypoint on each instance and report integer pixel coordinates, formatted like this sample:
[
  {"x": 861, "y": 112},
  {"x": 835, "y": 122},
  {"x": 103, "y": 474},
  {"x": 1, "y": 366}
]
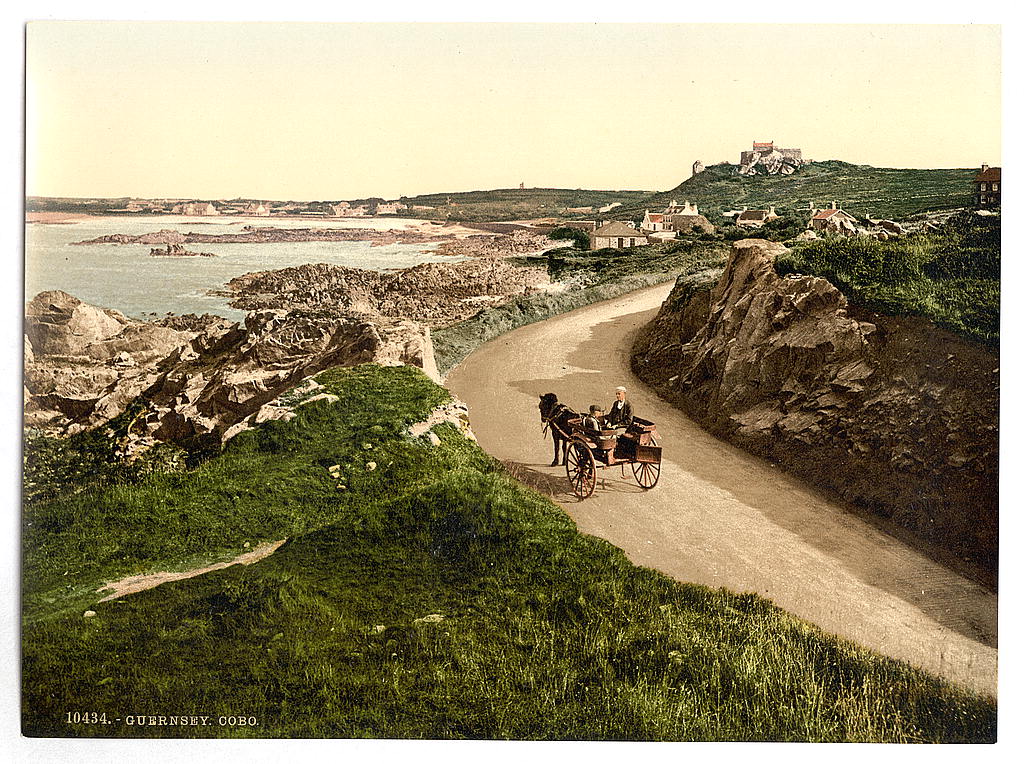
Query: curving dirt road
[{"x": 720, "y": 516}]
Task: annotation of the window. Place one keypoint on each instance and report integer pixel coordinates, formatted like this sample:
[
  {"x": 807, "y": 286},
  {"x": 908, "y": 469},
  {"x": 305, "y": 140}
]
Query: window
[
  {"x": 995, "y": 186},
  {"x": 984, "y": 186}
]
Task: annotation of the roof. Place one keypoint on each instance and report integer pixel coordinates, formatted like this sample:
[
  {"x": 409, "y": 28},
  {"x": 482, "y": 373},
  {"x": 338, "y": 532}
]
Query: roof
[
  {"x": 690, "y": 218},
  {"x": 768, "y": 145},
  {"x": 753, "y": 215},
  {"x": 826, "y": 214},
  {"x": 992, "y": 173},
  {"x": 656, "y": 217},
  {"x": 616, "y": 228}
]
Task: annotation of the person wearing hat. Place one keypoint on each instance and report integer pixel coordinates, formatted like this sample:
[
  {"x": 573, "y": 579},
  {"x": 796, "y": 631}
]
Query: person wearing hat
[
  {"x": 620, "y": 413},
  {"x": 593, "y": 422}
]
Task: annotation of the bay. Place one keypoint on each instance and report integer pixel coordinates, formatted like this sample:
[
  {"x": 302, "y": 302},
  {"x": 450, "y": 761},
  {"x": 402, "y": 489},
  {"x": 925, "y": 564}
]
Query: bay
[{"x": 127, "y": 278}]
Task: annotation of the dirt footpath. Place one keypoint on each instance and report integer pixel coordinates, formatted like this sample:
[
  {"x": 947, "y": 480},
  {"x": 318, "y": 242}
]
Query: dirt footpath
[{"x": 720, "y": 516}]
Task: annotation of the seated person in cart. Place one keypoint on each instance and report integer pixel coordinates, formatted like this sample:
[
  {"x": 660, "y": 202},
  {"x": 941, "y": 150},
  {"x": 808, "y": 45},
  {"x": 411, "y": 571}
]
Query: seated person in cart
[
  {"x": 620, "y": 414},
  {"x": 592, "y": 422}
]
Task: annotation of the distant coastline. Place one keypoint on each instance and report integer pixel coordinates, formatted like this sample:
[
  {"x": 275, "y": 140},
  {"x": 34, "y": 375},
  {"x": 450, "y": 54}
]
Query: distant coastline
[{"x": 55, "y": 218}]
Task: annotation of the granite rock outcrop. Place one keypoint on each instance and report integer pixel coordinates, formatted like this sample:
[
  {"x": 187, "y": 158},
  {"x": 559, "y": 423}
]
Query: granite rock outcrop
[
  {"x": 197, "y": 384},
  {"x": 892, "y": 414}
]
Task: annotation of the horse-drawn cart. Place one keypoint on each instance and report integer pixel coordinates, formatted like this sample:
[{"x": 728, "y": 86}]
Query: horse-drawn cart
[{"x": 588, "y": 451}]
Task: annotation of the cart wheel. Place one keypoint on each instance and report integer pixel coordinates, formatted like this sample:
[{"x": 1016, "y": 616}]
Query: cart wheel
[
  {"x": 581, "y": 469},
  {"x": 646, "y": 474}
]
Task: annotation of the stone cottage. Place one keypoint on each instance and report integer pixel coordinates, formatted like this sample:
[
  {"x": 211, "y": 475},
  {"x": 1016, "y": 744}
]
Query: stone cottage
[
  {"x": 616, "y": 235},
  {"x": 833, "y": 219},
  {"x": 755, "y": 218}
]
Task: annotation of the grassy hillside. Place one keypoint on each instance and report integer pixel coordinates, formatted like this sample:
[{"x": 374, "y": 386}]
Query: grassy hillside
[
  {"x": 518, "y": 204},
  {"x": 861, "y": 189},
  {"x": 432, "y": 596},
  {"x": 950, "y": 276}
]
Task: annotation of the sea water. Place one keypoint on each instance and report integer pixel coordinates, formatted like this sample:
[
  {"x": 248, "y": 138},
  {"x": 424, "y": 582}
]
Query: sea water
[{"x": 126, "y": 277}]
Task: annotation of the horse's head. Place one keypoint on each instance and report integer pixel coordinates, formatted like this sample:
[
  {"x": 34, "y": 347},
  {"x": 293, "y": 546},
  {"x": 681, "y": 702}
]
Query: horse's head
[{"x": 548, "y": 401}]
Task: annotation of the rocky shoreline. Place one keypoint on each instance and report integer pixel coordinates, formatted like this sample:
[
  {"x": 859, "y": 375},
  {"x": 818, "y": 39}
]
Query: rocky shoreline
[
  {"x": 513, "y": 243},
  {"x": 201, "y": 379},
  {"x": 436, "y": 294}
]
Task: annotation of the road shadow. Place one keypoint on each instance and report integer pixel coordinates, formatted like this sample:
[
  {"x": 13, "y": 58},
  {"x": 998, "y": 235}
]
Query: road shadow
[
  {"x": 788, "y": 502},
  {"x": 557, "y": 487}
]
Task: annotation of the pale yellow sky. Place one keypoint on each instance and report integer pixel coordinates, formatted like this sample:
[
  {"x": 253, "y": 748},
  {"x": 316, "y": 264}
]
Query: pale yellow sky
[{"x": 335, "y": 111}]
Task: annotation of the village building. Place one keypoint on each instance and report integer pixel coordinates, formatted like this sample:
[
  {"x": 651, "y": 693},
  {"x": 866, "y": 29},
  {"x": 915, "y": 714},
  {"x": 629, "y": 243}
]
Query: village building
[
  {"x": 987, "y": 184},
  {"x": 755, "y": 218},
  {"x": 259, "y": 210},
  {"x": 676, "y": 218},
  {"x": 616, "y": 235},
  {"x": 195, "y": 209},
  {"x": 652, "y": 222},
  {"x": 832, "y": 219},
  {"x": 390, "y": 208},
  {"x": 346, "y": 210}
]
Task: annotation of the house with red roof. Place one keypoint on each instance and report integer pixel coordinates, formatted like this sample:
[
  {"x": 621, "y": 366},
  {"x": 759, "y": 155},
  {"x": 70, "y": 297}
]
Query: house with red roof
[
  {"x": 987, "y": 184},
  {"x": 832, "y": 219},
  {"x": 653, "y": 221}
]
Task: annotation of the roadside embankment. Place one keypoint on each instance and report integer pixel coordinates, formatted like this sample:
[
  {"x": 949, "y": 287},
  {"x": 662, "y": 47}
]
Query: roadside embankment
[{"x": 890, "y": 413}]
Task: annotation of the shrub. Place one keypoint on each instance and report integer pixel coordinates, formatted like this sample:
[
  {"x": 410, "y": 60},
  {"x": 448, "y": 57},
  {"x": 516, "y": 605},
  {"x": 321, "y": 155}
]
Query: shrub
[
  {"x": 580, "y": 239},
  {"x": 950, "y": 276}
]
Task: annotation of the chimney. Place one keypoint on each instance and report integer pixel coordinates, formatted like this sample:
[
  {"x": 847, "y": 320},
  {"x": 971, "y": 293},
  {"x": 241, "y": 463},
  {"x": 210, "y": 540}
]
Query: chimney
[
  {"x": 984, "y": 167},
  {"x": 834, "y": 204},
  {"x": 771, "y": 210}
]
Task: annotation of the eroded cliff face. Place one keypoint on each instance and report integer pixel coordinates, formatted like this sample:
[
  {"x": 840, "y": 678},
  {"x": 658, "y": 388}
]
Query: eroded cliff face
[
  {"x": 198, "y": 383},
  {"x": 893, "y": 414}
]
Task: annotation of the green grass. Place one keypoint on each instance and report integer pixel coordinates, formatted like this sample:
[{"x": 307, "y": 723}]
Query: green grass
[
  {"x": 862, "y": 190},
  {"x": 546, "y": 633},
  {"x": 517, "y": 204},
  {"x": 950, "y": 276},
  {"x": 594, "y": 275}
]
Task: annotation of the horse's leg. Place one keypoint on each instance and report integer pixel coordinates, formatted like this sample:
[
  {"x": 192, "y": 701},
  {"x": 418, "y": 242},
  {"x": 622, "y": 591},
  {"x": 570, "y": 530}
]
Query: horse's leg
[{"x": 555, "y": 439}]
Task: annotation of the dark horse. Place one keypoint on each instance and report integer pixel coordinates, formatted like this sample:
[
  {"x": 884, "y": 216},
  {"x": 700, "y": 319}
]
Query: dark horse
[{"x": 556, "y": 416}]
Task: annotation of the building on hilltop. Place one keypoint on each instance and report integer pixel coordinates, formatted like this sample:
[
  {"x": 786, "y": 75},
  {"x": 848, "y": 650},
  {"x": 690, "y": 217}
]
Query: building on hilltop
[
  {"x": 616, "y": 235},
  {"x": 832, "y": 219},
  {"x": 766, "y": 159},
  {"x": 987, "y": 184}
]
